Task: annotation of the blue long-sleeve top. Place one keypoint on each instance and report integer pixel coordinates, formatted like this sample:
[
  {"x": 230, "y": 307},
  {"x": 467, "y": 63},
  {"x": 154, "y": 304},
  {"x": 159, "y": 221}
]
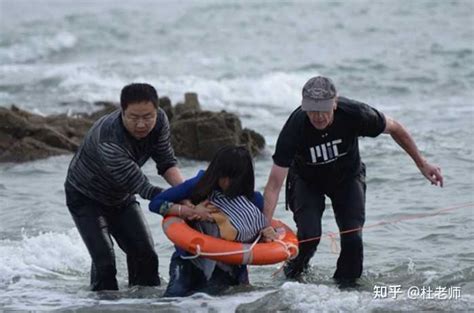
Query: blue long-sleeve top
[{"x": 184, "y": 190}]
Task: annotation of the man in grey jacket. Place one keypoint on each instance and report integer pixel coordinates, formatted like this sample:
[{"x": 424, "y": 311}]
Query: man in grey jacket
[{"x": 103, "y": 178}]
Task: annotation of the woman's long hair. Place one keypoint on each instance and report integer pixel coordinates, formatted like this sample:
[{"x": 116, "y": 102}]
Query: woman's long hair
[{"x": 234, "y": 162}]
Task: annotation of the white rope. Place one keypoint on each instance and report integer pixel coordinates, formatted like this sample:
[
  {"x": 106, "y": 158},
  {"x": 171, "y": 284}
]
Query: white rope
[
  {"x": 286, "y": 246},
  {"x": 199, "y": 253}
]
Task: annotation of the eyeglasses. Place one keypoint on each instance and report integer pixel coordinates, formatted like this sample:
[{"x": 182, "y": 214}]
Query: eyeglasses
[{"x": 147, "y": 119}]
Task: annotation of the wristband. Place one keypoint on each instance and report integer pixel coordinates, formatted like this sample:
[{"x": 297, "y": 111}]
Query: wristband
[{"x": 163, "y": 209}]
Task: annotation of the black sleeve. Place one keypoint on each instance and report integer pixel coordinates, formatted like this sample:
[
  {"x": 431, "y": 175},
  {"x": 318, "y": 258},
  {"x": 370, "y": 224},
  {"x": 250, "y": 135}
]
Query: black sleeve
[
  {"x": 371, "y": 121},
  {"x": 287, "y": 140},
  {"x": 163, "y": 153}
]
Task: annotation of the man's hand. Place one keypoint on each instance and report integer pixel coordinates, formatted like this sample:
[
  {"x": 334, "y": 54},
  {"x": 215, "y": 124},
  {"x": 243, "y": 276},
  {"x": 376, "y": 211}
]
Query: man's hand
[
  {"x": 432, "y": 173},
  {"x": 269, "y": 234}
]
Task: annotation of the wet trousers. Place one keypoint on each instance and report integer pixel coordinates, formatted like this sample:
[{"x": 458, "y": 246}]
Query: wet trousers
[
  {"x": 97, "y": 224},
  {"x": 186, "y": 278},
  {"x": 307, "y": 202}
]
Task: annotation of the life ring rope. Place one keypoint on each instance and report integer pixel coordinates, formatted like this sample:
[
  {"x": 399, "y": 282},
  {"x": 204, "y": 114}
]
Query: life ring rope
[
  {"x": 200, "y": 253},
  {"x": 286, "y": 246}
]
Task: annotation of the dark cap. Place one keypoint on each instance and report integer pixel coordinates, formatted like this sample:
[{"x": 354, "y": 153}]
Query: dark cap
[{"x": 318, "y": 94}]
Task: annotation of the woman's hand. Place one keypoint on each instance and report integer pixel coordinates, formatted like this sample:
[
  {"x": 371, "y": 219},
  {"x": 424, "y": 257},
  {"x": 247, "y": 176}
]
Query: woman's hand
[
  {"x": 203, "y": 211},
  {"x": 188, "y": 203}
]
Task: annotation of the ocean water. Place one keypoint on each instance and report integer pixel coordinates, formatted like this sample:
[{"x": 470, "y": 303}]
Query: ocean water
[{"x": 413, "y": 60}]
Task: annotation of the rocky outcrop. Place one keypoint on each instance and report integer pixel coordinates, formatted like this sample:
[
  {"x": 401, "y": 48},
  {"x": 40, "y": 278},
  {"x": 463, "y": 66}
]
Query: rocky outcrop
[
  {"x": 199, "y": 134},
  {"x": 25, "y": 136},
  {"x": 196, "y": 134}
]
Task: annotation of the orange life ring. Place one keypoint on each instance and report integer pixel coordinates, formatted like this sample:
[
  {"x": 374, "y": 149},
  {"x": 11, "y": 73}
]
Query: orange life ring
[{"x": 232, "y": 252}]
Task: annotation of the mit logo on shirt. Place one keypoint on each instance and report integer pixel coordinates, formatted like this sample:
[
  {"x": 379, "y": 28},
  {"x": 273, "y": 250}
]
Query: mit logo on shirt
[{"x": 326, "y": 152}]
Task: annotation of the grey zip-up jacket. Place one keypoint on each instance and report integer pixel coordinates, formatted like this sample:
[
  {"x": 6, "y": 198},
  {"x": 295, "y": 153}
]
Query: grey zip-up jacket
[{"x": 106, "y": 168}]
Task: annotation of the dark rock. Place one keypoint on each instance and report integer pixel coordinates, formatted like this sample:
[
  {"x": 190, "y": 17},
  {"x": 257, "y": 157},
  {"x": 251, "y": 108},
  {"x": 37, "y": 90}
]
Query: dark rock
[
  {"x": 199, "y": 135},
  {"x": 195, "y": 134},
  {"x": 191, "y": 104},
  {"x": 25, "y": 136},
  {"x": 29, "y": 149},
  {"x": 107, "y": 107},
  {"x": 165, "y": 104},
  {"x": 252, "y": 140}
]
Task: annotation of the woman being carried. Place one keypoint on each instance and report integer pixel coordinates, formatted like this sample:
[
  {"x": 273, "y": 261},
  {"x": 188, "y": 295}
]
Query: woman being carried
[{"x": 222, "y": 204}]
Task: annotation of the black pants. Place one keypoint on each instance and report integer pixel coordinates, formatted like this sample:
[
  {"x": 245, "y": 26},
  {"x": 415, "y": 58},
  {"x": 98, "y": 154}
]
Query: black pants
[
  {"x": 186, "y": 278},
  {"x": 307, "y": 202},
  {"x": 97, "y": 223}
]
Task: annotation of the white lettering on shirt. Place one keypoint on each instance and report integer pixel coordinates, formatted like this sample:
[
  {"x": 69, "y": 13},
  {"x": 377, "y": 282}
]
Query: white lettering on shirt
[{"x": 325, "y": 152}]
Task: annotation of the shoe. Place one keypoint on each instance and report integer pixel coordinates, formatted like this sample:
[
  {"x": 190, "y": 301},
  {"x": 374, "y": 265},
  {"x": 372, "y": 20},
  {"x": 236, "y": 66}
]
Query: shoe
[
  {"x": 294, "y": 270},
  {"x": 346, "y": 283}
]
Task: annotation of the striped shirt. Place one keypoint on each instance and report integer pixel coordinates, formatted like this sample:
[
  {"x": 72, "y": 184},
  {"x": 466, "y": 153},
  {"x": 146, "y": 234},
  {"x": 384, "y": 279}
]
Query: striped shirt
[
  {"x": 247, "y": 219},
  {"x": 106, "y": 168}
]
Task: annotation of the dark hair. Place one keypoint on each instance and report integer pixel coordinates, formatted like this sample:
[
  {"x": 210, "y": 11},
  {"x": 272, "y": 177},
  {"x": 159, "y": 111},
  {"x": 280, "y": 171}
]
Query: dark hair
[
  {"x": 234, "y": 162},
  {"x": 137, "y": 92}
]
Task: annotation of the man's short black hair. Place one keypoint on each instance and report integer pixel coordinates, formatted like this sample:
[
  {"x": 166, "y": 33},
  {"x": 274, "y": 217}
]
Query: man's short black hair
[{"x": 138, "y": 92}]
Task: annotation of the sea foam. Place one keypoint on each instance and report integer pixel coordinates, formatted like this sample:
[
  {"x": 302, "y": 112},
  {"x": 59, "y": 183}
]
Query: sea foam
[
  {"x": 47, "y": 254},
  {"x": 36, "y": 47}
]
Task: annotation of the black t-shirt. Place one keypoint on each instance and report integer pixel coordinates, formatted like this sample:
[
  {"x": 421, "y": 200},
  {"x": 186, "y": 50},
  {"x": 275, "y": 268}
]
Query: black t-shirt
[{"x": 332, "y": 154}]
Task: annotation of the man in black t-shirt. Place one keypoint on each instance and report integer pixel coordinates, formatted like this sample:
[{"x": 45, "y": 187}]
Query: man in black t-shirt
[{"x": 319, "y": 152}]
